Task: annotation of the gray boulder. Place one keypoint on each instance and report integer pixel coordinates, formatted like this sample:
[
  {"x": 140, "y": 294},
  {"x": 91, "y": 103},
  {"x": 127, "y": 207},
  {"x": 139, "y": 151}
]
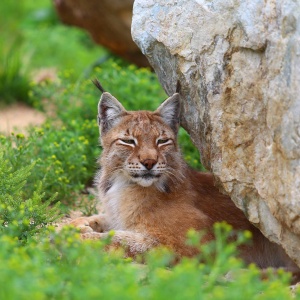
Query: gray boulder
[{"x": 239, "y": 66}]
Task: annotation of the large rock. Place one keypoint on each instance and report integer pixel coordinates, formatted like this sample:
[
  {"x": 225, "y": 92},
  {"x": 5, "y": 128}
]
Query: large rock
[
  {"x": 239, "y": 67},
  {"x": 108, "y": 22}
]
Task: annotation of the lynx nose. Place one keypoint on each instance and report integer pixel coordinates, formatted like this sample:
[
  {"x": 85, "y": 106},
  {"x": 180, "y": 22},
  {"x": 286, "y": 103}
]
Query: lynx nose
[{"x": 149, "y": 163}]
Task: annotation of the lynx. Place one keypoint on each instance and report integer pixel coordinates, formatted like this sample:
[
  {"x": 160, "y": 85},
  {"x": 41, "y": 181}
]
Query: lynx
[{"x": 149, "y": 194}]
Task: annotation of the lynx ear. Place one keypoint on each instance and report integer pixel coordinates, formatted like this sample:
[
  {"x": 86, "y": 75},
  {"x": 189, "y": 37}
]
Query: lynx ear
[
  {"x": 169, "y": 110},
  {"x": 109, "y": 112}
]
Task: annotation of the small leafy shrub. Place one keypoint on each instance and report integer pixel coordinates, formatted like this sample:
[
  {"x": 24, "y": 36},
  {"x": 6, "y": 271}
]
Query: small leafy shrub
[
  {"x": 64, "y": 267},
  {"x": 64, "y": 159},
  {"x": 22, "y": 216}
]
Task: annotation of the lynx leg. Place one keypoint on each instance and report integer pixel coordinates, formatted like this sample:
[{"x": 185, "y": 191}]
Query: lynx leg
[
  {"x": 96, "y": 223},
  {"x": 134, "y": 243}
]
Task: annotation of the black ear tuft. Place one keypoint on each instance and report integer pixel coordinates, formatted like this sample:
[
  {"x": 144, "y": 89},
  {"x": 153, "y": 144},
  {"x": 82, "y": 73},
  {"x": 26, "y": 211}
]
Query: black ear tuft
[
  {"x": 97, "y": 83},
  {"x": 178, "y": 87}
]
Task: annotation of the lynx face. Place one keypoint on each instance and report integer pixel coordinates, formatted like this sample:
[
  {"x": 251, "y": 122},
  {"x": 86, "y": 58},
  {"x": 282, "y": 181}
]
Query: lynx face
[{"x": 140, "y": 147}]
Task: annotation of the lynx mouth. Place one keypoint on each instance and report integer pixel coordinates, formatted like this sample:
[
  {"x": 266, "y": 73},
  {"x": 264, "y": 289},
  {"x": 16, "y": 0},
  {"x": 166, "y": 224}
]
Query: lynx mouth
[
  {"x": 146, "y": 176},
  {"x": 150, "y": 176},
  {"x": 145, "y": 179}
]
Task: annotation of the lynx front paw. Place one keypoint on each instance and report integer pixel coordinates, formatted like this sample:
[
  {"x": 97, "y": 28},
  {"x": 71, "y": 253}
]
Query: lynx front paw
[
  {"x": 92, "y": 235},
  {"x": 89, "y": 224}
]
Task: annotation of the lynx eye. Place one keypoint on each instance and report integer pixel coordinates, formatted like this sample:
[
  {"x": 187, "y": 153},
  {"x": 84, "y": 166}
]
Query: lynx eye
[
  {"x": 163, "y": 141},
  {"x": 128, "y": 142}
]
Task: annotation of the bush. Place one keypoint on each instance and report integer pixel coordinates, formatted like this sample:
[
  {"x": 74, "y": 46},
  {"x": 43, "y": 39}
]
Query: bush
[
  {"x": 63, "y": 267},
  {"x": 21, "y": 216},
  {"x": 64, "y": 159}
]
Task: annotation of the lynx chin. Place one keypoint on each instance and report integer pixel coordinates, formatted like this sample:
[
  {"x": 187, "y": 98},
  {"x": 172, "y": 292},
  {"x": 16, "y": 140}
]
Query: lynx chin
[{"x": 151, "y": 197}]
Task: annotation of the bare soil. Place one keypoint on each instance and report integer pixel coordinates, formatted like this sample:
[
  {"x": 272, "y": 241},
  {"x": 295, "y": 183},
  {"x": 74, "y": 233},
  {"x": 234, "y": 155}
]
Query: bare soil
[{"x": 17, "y": 117}]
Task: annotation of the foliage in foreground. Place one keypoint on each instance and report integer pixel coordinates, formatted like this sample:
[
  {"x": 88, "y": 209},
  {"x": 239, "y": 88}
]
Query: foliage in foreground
[
  {"x": 21, "y": 216},
  {"x": 60, "y": 266},
  {"x": 38, "y": 263}
]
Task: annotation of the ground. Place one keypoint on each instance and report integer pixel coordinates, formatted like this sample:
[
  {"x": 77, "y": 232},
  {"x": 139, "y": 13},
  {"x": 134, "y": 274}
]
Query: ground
[{"x": 17, "y": 117}]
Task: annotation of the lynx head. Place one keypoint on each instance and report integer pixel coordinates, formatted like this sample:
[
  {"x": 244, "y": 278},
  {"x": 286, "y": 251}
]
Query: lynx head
[{"x": 140, "y": 146}]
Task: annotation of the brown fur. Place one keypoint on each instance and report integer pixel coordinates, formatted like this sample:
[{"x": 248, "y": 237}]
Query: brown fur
[{"x": 159, "y": 208}]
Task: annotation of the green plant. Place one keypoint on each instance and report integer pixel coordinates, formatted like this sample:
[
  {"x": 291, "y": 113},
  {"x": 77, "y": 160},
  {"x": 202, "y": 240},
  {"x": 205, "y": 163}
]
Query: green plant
[
  {"x": 64, "y": 267},
  {"x": 64, "y": 159},
  {"x": 14, "y": 79},
  {"x": 22, "y": 216},
  {"x": 88, "y": 205},
  {"x": 14, "y": 75}
]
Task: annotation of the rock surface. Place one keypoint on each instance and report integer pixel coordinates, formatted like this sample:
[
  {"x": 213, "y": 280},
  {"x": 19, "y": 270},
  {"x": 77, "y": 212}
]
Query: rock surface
[
  {"x": 239, "y": 66},
  {"x": 108, "y": 22}
]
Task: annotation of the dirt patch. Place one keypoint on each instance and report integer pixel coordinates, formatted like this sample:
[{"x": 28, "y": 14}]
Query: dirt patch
[{"x": 17, "y": 117}]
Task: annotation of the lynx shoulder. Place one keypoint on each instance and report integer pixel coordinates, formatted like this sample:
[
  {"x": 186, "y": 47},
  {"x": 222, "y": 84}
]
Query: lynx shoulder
[{"x": 151, "y": 197}]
